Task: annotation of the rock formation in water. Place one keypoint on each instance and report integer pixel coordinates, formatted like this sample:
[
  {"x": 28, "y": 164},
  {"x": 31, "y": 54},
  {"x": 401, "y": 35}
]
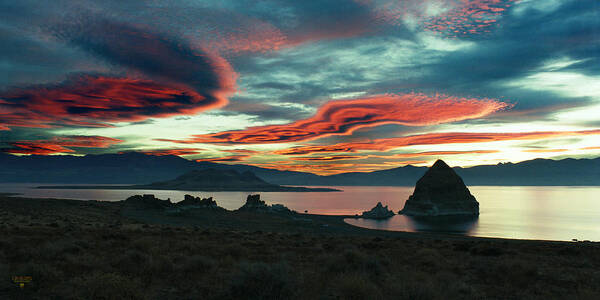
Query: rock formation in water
[
  {"x": 253, "y": 203},
  {"x": 197, "y": 202},
  {"x": 378, "y": 212},
  {"x": 147, "y": 201},
  {"x": 150, "y": 202},
  {"x": 441, "y": 192}
]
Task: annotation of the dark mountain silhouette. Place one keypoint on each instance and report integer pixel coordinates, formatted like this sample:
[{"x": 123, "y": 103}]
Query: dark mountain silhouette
[
  {"x": 208, "y": 180},
  {"x": 223, "y": 180},
  {"x": 137, "y": 168}
]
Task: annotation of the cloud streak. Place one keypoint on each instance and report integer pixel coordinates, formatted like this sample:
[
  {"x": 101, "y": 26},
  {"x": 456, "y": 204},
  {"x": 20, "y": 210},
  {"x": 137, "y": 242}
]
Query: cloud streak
[
  {"x": 391, "y": 156},
  {"x": 230, "y": 158},
  {"x": 62, "y": 144},
  {"x": 345, "y": 116},
  {"x": 431, "y": 139},
  {"x": 165, "y": 152},
  {"x": 94, "y": 100},
  {"x": 336, "y": 168}
]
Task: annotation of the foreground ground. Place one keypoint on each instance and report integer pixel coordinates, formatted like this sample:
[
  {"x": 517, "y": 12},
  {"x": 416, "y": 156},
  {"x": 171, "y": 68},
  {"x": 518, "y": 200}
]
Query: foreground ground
[{"x": 99, "y": 250}]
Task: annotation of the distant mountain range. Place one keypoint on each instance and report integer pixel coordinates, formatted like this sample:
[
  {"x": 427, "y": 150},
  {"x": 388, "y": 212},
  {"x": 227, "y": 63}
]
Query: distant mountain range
[
  {"x": 206, "y": 180},
  {"x": 138, "y": 168}
]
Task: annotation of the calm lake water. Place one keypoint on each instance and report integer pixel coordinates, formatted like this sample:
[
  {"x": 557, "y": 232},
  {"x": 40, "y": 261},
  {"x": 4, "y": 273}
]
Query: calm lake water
[{"x": 523, "y": 212}]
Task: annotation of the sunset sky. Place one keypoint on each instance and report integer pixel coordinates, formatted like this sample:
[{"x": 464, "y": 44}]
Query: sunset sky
[{"x": 324, "y": 86}]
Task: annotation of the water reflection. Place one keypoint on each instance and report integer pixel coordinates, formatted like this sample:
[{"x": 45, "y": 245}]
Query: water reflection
[
  {"x": 523, "y": 212},
  {"x": 456, "y": 225}
]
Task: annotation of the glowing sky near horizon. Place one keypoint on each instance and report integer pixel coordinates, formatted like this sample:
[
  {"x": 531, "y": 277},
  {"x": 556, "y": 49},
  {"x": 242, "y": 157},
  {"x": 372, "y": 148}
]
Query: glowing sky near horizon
[{"x": 323, "y": 86}]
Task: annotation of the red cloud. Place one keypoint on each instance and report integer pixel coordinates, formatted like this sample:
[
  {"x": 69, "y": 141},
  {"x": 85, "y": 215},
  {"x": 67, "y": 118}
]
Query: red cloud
[
  {"x": 245, "y": 35},
  {"x": 177, "y": 152},
  {"x": 345, "y": 116},
  {"x": 468, "y": 17},
  {"x": 171, "y": 78},
  {"x": 231, "y": 158},
  {"x": 430, "y": 139},
  {"x": 60, "y": 144},
  {"x": 330, "y": 158},
  {"x": 93, "y": 100},
  {"x": 459, "y": 17},
  {"x": 332, "y": 169},
  {"x": 391, "y": 156}
]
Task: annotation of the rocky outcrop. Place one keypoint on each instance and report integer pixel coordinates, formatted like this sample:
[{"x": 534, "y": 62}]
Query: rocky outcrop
[
  {"x": 190, "y": 201},
  {"x": 378, "y": 212},
  {"x": 441, "y": 192},
  {"x": 253, "y": 203},
  {"x": 150, "y": 202},
  {"x": 147, "y": 201}
]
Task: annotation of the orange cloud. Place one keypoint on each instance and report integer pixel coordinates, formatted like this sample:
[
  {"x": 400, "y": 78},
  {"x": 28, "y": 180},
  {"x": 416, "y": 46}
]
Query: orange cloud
[
  {"x": 60, "y": 144},
  {"x": 164, "y": 152},
  {"x": 544, "y": 150},
  {"x": 431, "y": 139},
  {"x": 230, "y": 158},
  {"x": 390, "y": 156},
  {"x": 331, "y": 169},
  {"x": 345, "y": 116},
  {"x": 93, "y": 100}
]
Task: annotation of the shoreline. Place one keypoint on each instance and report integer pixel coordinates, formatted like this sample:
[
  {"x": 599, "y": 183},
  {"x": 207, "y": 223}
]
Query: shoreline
[
  {"x": 87, "y": 249},
  {"x": 326, "y": 222}
]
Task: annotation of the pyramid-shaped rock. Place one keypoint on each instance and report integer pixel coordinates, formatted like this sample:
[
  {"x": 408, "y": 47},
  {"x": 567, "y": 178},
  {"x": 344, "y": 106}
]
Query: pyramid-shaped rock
[{"x": 441, "y": 192}]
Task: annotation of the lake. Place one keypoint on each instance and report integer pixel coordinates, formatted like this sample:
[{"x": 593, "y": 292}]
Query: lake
[{"x": 522, "y": 212}]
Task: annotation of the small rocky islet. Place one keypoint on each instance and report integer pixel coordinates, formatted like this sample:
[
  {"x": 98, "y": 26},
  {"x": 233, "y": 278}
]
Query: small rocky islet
[{"x": 378, "y": 212}]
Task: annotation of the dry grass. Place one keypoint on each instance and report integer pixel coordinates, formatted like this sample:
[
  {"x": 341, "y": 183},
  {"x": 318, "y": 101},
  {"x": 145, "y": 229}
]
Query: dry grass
[{"x": 119, "y": 259}]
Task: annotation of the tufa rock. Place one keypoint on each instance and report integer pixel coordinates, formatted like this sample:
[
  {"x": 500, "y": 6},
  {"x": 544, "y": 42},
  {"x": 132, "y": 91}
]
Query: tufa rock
[
  {"x": 147, "y": 201},
  {"x": 378, "y": 212},
  {"x": 441, "y": 192},
  {"x": 196, "y": 202},
  {"x": 253, "y": 203}
]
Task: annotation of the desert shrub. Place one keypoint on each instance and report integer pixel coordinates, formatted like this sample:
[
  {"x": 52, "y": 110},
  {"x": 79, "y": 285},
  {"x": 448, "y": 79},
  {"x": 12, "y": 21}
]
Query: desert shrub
[
  {"x": 452, "y": 286},
  {"x": 418, "y": 291},
  {"x": 131, "y": 261},
  {"x": 106, "y": 286},
  {"x": 262, "y": 281},
  {"x": 518, "y": 272},
  {"x": 414, "y": 285},
  {"x": 430, "y": 257},
  {"x": 41, "y": 273},
  {"x": 352, "y": 260},
  {"x": 486, "y": 250},
  {"x": 355, "y": 286},
  {"x": 234, "y": 250},
  {"x": 57, "y": 248},
  {"x": 5, "y": 277},
  {"x": 196, "y": 264},
  {"x": 157, "y": 265}
]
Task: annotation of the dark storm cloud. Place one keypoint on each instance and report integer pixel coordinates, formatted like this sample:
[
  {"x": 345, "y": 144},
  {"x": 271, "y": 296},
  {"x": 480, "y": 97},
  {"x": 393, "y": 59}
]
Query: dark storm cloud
[
  {"x": 169, "y": 78},
  {"x": 153, "y": 54}
]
